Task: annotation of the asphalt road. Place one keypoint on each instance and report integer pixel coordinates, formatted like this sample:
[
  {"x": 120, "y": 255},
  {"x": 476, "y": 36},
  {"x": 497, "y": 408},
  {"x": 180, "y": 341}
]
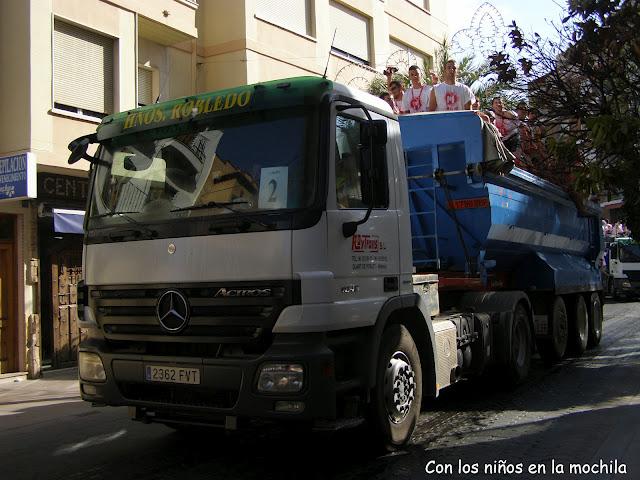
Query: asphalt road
[{"x": 583, "y": 411}]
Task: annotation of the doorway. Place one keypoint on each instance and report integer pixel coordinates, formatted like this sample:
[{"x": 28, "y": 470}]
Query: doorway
[{"x": 8, "y": 290}]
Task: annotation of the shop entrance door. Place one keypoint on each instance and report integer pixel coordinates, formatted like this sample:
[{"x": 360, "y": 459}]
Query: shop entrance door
[
  {"x": 7, "y": 308},
  {"x": 66, "y": 271}
]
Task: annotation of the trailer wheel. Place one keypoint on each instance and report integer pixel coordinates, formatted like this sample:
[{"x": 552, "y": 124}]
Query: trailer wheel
[
  {"x": 554, "y": 346},
  {"x": 595, "y": 320},
  {"x": 398, "y": 392},
  {"x": 579, "y": 326},
  {"x": 521, "y": 346}
]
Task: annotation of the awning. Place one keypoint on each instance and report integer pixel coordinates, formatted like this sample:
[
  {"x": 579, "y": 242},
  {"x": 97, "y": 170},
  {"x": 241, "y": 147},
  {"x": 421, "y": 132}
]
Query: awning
[{"x": 67, "y": 221}]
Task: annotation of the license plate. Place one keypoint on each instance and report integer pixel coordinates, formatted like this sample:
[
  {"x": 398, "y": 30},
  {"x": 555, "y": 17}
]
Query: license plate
[{"x": 157, "y": 373}]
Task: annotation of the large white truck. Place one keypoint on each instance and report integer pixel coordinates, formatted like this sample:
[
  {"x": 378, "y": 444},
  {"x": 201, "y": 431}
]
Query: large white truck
[
  {"x": 622, "y": 267},
  {"x": 283, "y": 251}
]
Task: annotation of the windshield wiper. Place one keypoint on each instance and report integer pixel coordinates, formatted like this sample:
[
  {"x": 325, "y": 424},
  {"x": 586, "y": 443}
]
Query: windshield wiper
[
  {"x": 142, "y": 229},
  {"x": 246, "y": 222},
  {"x": 112, "y": 214},
  {"x": 211, "y": 204}
]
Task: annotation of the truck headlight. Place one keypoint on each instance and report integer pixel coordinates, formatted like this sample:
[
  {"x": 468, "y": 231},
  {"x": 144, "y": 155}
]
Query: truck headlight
[
  {"x": 281, "y": 378},
  {"x": 626, "y": 284},
  {"x": 91, "y": 367}
]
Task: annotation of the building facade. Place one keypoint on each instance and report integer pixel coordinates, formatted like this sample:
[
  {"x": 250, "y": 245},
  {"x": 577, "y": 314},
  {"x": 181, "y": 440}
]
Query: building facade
[{"x": 68, "y": 63}]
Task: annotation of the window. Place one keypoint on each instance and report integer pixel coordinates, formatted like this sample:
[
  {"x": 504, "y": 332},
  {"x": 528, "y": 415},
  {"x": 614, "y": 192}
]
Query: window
[
  {"x": 145, "y": 86},
  {"x": 294, "y": 15},
  {"x": 352, "y": 33},
  {"x": 352, "y": 184},
  {"x": 421, "y": 3},
  {"x": 82, "y": 70},
  {"x": 406, "y": 55}
]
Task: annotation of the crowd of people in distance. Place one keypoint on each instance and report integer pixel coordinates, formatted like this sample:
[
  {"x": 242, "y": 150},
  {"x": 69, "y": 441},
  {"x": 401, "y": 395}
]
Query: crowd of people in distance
[
  {"x": 618, "y": 229},
  {"x": 516, "y": 128}
]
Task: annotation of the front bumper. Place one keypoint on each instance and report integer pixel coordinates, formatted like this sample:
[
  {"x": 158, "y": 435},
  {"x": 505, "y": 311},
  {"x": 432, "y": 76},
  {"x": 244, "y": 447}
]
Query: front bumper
[
  {"x": 227, "y": 388},
  {"x": 624, "y": 286}
]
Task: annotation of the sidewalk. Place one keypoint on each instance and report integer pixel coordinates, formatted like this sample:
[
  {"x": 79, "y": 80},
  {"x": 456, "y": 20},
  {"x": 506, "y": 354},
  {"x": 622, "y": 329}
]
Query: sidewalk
[{"x": 54, "y": 385}]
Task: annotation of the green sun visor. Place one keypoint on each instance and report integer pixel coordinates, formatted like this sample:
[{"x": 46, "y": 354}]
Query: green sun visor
[{"x": 205, "y": 106}]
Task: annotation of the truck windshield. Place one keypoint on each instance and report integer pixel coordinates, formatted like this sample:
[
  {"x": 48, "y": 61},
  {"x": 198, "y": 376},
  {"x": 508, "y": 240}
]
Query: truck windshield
[
  {"x": 246, "y": 164},
  {"x": 629, "y": 253}
]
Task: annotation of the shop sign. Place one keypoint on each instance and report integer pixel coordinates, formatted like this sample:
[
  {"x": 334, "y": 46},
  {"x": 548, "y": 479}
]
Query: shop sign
[
  {"x": 18, "y": 177},
  {"x": 66, "y": 189}
]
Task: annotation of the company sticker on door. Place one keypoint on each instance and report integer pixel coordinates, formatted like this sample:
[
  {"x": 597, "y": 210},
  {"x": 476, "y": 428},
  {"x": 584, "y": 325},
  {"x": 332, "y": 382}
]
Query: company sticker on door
[{"x": 368, "y": 253}]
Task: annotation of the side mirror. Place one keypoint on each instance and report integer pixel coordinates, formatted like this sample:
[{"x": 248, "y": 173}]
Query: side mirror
[{"x": 79, "y": 147}]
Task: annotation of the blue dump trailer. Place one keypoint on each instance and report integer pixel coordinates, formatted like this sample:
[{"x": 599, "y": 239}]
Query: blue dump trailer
[{"x": 484, "y": 225}]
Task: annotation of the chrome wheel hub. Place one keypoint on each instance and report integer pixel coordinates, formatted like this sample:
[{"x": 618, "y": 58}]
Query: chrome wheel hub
[{"x": 399, "y": 387}]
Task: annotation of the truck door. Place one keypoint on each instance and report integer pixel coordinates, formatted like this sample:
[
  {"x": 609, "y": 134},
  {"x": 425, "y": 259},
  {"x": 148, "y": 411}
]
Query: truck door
[{"x": 365, "y": 266}]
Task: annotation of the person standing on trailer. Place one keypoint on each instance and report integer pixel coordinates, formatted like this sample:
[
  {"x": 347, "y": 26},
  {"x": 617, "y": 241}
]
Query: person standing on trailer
[
  {"x": 416, "y": 97},
  {"x": 450, "y": 94}
]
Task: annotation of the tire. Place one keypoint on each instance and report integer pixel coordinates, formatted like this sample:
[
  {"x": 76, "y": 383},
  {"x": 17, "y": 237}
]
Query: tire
[
  {"x": 554, "y": 346},
  {"x": 595, "y": 320},
  {"x": 397, "y": 395},
  {"x": 579, "y": 326},
  {"x": 521, "y": 346}
]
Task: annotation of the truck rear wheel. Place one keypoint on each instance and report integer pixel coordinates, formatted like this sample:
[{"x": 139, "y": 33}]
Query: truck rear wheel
[
  {"x": 595, "y": 319},
  {"x": 521, "y": 343},
  {"x": 398, "y": 392},
  {"x": 579, "y": 326},
  {"x": 554, "y": 346}
]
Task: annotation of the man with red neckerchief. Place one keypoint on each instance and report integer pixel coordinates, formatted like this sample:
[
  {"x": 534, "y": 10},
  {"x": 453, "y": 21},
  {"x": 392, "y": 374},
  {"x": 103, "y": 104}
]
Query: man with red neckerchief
[
  {"x": 416, "y": 97},
  {"x": 450, "y": 94}
]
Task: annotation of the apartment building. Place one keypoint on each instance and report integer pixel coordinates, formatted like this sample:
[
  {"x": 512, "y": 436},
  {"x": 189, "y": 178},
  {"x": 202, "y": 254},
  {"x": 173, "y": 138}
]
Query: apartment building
[{"x": 68, "y": 63}]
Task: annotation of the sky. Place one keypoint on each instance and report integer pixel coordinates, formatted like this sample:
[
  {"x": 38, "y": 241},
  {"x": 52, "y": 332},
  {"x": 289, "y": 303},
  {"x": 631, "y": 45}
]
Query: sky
[{"x": 530, "y": 15}]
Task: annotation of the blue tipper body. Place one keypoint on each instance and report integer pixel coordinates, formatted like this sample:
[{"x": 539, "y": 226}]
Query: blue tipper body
[{"x": 474, "y": 222}]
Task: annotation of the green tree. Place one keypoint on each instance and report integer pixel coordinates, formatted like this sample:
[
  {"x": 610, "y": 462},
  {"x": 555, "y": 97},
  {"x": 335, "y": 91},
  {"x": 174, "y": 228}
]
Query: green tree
[{"x": 585, "y": 86}]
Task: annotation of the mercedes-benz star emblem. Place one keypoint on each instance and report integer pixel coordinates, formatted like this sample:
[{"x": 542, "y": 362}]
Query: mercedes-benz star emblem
[{"x": 173, "y": 311}]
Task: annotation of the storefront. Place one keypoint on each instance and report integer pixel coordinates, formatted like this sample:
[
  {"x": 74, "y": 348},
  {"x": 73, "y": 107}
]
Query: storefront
[
  {"x": 17, "y": 187},
  {"x": 61, "y": 202}
]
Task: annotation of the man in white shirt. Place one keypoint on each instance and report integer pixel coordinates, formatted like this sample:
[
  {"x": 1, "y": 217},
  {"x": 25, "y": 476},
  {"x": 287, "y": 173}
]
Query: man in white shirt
[
  {"x": 416, "y": 97},
  {"x": 450, "y": 94}
]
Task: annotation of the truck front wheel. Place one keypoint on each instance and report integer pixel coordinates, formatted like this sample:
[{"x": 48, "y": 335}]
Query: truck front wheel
[{"x": 398, "y": 392}]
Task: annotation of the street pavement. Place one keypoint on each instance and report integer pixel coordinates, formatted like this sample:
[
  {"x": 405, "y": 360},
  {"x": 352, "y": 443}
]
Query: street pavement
[{"x": 584, "y": 411}]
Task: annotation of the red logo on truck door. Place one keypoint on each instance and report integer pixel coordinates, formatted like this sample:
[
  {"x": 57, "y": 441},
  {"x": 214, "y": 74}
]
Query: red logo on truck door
[{"x": 366, "y": 243}]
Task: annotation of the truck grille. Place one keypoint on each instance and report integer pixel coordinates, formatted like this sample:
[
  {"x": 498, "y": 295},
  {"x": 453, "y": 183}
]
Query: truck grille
[
  {"x": 633, "y": 275},
  {"x": 128, "y": 313},
  {"x": 178, "y": 395}
]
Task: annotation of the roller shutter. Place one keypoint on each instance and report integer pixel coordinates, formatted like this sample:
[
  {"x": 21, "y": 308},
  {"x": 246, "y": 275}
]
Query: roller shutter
[{"x": 82, "y": 68}]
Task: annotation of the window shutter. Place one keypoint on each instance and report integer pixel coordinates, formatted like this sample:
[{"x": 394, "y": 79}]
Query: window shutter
[
  {"x": 352, "y": 35},
  {"x": 145, "y": 86},
  {"x": 82, "y": 68},
  {"x": 291, "y": 14}
]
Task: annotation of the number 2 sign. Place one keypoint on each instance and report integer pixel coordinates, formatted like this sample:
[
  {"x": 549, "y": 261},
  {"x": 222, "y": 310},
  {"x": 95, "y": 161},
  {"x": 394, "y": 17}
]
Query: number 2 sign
[{"x": 273, "y": 187}]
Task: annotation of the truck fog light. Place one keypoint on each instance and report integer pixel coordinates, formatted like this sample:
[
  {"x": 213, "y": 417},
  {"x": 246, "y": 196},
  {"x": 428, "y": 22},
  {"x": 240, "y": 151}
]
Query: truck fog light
[
  {"x": 89, "y": 390},
  {"x": 280, "y": 378},
  {"x": 289, "y": 407},
  {"x": 91, "y": 368}
]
